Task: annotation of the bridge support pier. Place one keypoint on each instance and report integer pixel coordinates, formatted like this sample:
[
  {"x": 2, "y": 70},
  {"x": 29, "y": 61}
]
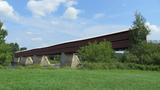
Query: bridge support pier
[
  {"x": 25, "y": 60},
  {"x": 70, "y": 60},
  {"x": 16, "y": 60},
  {"x": 42, "y": 60},
  {"x": 36, "y": 59}
]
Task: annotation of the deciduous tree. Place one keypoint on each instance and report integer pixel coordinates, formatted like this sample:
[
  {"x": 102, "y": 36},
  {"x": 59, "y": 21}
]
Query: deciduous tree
[
  {"x": 139, "y": 30},
  {"x": 3, "y": 33}
]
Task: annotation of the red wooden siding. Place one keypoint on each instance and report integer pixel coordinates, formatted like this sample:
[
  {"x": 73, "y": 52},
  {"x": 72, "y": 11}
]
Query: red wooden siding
[{"x": 119, "y": 41}]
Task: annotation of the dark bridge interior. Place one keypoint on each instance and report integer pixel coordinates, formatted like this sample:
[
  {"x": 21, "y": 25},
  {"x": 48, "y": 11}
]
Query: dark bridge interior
[{"x": 120, "y": 41}]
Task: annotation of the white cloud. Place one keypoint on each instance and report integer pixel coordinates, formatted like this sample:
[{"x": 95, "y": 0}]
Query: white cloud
[
  {"x": 70, "y": 3},
  {"x": 37, "y": 39},
  {"x": 154, "y": 28},
  {"x": 32, "y": 33},
  {"x": 7, "y": 10},
  {"x": 43, "y": 7},
  {"x": 155, "y": 31},
  {"x": 71, "y": 13},
  {"x": 55, "y": 27},
  {"x": 99, "y": 15},
  {"x": 4, "y": 27},
  {"x": 29, "y": 33}
]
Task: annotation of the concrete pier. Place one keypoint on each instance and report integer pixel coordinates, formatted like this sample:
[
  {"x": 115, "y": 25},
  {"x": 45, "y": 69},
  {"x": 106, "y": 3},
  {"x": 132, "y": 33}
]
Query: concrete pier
[
  {"x": 25, "y": 60},
  {"x": 70, "y": 60}
]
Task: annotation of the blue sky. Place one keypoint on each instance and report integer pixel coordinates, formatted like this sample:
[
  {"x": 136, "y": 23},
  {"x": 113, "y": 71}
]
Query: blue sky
[{"x": 40, "y": 23}]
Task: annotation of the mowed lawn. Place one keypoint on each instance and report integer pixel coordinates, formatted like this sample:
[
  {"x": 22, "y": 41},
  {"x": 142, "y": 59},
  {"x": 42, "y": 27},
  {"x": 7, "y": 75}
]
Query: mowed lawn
[{"x": 66, "y": 79}]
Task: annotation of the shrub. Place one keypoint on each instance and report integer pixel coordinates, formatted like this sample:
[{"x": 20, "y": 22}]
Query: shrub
[
  {"x": 104, "y": 66},
  {"x": 142, "y": 67},
  {"x": 96, "y": 52},
  {"x": 1, "y": 67},
  {"x": 93, "y": 65},
  {"x": 5, "y": 54},
  {"x": 156, "y": 58},
  {"x": 143, "y": 53},
  {"x": 135, "y": 66},
  {"x": 129, "y": 58},
  {"x": 145, "y": 59}
]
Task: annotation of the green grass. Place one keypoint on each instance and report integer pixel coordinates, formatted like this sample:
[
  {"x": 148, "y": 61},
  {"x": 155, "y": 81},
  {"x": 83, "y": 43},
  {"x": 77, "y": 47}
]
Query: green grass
[{"x": 65, "y": 79}]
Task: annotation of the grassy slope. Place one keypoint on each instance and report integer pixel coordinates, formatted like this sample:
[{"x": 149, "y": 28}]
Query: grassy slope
[{"x": 28, "y": 79}]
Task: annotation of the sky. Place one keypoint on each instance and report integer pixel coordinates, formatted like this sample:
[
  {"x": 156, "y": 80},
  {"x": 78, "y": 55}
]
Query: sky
[{"x": 41, "y": 23}]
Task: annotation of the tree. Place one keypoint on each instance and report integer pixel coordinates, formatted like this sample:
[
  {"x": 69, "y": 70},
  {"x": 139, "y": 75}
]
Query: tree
[
  {"x": 139, "y": 30},
  {"x": 5, "y": 54},
  {"x": 3, "y": 33},
  {"x": 96, "y": 52},
  {"x": 5, "y": 49},
  {"x": 147, "y": 53},
  {"x": 15, "y": 47},
  {"x": 141, "y": 51},
  {"x": 23, "y": 48}
]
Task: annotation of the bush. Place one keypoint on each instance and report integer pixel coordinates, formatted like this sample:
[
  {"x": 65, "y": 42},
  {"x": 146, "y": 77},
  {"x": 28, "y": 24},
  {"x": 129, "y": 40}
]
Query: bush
[
  {"x": 5, "y": 54},
  {"x": 147, "y": 53},
  {"x": 144, "y": 56},
  {"x": 103, "y": 66},
  {"x": 1, "y": 67},
  {"x": 98, "y": 65},
  {"x": 118, "y": 65},
  {"x": 145, "y": 59},
  {"x": 129, "y": 58},
  {"x": 156, "y": 58},
  {"x": 96, "y": 52},
  {"x": 143, "y": 67}
]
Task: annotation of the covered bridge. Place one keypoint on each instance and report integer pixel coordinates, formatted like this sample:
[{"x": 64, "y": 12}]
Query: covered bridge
[{"x": 120, "y": 41}]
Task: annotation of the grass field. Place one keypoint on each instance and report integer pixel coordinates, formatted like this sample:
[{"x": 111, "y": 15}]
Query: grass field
[{"x": 64, "y": 79}]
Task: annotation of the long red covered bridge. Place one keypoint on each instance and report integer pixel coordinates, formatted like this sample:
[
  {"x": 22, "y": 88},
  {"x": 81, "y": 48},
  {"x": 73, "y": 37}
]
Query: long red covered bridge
[{"x": 120, "y": 41}]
